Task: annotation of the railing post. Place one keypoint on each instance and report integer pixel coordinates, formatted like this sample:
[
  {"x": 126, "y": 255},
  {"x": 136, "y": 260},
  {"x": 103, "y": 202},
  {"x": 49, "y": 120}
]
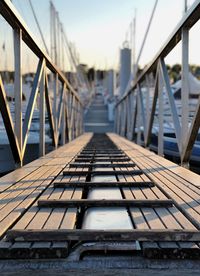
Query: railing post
[
  {"x": 63, "y": 127},
  {"x": 133, "y": 115},
  {"x": 138, "y": 139},
  {"x": 69, "y": 114},
  {"x": 128, "y": 117},
  {"x": 123, "y": 118},
  {"x": 42, "y": 115},
  {"x": 18, "y": 89},
  {"x": 72, "y": 116},
  {"x": 147, "y": 99},
  {"x": 184, "y": 90},
  {"x": 82, "y": 115},
  {"x": 118, "y": 118},
  {"x": 76, "y": 119},
  {"x": 80, "y": 119},
  {"x": 55, "y": 107},
  {"x": 160, "y": 113}
]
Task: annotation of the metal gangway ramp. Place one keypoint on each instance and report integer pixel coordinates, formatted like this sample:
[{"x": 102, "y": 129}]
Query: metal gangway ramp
[{"x": 98, "y": 200}]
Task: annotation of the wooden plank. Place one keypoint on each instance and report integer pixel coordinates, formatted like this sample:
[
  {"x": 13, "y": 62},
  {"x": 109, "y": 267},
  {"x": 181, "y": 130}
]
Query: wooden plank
[
  {"x": 93, "y": 165},
  {"x": 84, "y": 155},
  {"x": 102, "y": 151},
  {"x": 19, "y": 174},
  {"x": 185, "y": 202},
  {"x": 102, "y": 159},
  {"x": 170, "y": 218},
  {"x": 103, "y": 184},
  {"x": 111, "y": 172},
  {"x": 103, "y": 235},
  {"x": 18, "y": 206},
  {"x": 54, "y": 219},
  {"x": 168, "y": 182},
  {"x": 20, "y": 196},
  {"x": 14, "y": 177},
  {"x": 15, "y": 195},
  {"x": 187, "y": 175},
  {"x": 104, "y": 203},
  {"x": 70, "y": 218},
  {"x": 179, "y": 171}
]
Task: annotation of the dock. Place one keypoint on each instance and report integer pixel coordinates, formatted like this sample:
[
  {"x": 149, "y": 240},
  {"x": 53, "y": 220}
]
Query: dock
[
  {"x": 46, "y": 204},
  {"x": 97, "y": 200}
]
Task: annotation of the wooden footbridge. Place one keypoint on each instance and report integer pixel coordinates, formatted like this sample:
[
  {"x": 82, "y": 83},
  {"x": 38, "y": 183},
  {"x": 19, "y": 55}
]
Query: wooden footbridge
[
  {"x": 48, "y": 211},
  {"x": 98, "y": 194}
]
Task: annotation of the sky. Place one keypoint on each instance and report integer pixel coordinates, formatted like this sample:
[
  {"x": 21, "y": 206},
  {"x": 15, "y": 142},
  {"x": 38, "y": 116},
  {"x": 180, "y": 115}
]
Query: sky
[{"x": 98, "y": 28}]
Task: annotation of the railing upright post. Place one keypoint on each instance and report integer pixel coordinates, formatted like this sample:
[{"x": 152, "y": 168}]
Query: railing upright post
[
  {"x": 78, "y": 119},
  {"x": 42, "y": 115},
  {"x": 18, "y": 88},
  {"x": 133, "y": 115},
  {"x": 128, "y": 117},
  {"x": 160, "y": 113},
  {"x": 118, "y": 118},
  {"x": 147, "y": 99},
  {"x": 80, "y": 114},
  {"x": 138, "y": 139},
  {"x": 184, "y": 89},
  {"x": 63, "y": 127},
  {"x": 69, "y": 113},
  {"x": 72, "y": 117},
  {"x": 55, "y": 107},
  {"x": 82, "y": 123},
  {"x": 75, "y": 119},
  {"x": 124, "y": 118}
]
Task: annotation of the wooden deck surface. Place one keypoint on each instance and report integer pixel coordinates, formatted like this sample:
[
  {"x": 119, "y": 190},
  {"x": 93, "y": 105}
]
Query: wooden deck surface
[
  {"x": 171, "y": 181},
  {"x": 21, "y": 190}
]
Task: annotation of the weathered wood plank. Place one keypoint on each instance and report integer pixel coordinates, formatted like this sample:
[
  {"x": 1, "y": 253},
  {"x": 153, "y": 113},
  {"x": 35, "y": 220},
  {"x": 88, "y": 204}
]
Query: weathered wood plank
[
  {"x": 102, "y": 159},
  {"x": 103, "y": 235},
  {"x": 15, "y": 201},
  {"x": 18, "y": 175},
  {"x": 19, "y": 204},
  {"x": 102, "y": 151},
  {"x": 104, "y": 203},
  {"x": 93, "y": 165},
  {"x": 183, "y": 192},
  {"x": 105, "y": 172},
  {"x": 103, "y": 184},
  {"x": 105, "y": 155}
]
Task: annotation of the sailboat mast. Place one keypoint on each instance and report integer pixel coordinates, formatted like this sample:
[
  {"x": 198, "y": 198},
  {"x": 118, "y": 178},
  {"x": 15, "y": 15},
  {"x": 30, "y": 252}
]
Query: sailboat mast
[
  {"x": 146, "y": 34},
  {"x": 38, "y": 25},
  {"x": 185, "y": 6}
]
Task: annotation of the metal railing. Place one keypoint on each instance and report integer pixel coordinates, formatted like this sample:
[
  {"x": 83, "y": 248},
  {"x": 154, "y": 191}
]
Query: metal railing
[
  {"x": 65, "y": 117},
  {"x": 136, "y": 110}
]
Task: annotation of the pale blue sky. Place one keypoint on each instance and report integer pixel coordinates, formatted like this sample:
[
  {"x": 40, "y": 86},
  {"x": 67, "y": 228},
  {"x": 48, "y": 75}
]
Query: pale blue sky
[{"x": 98, "y": 27}]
